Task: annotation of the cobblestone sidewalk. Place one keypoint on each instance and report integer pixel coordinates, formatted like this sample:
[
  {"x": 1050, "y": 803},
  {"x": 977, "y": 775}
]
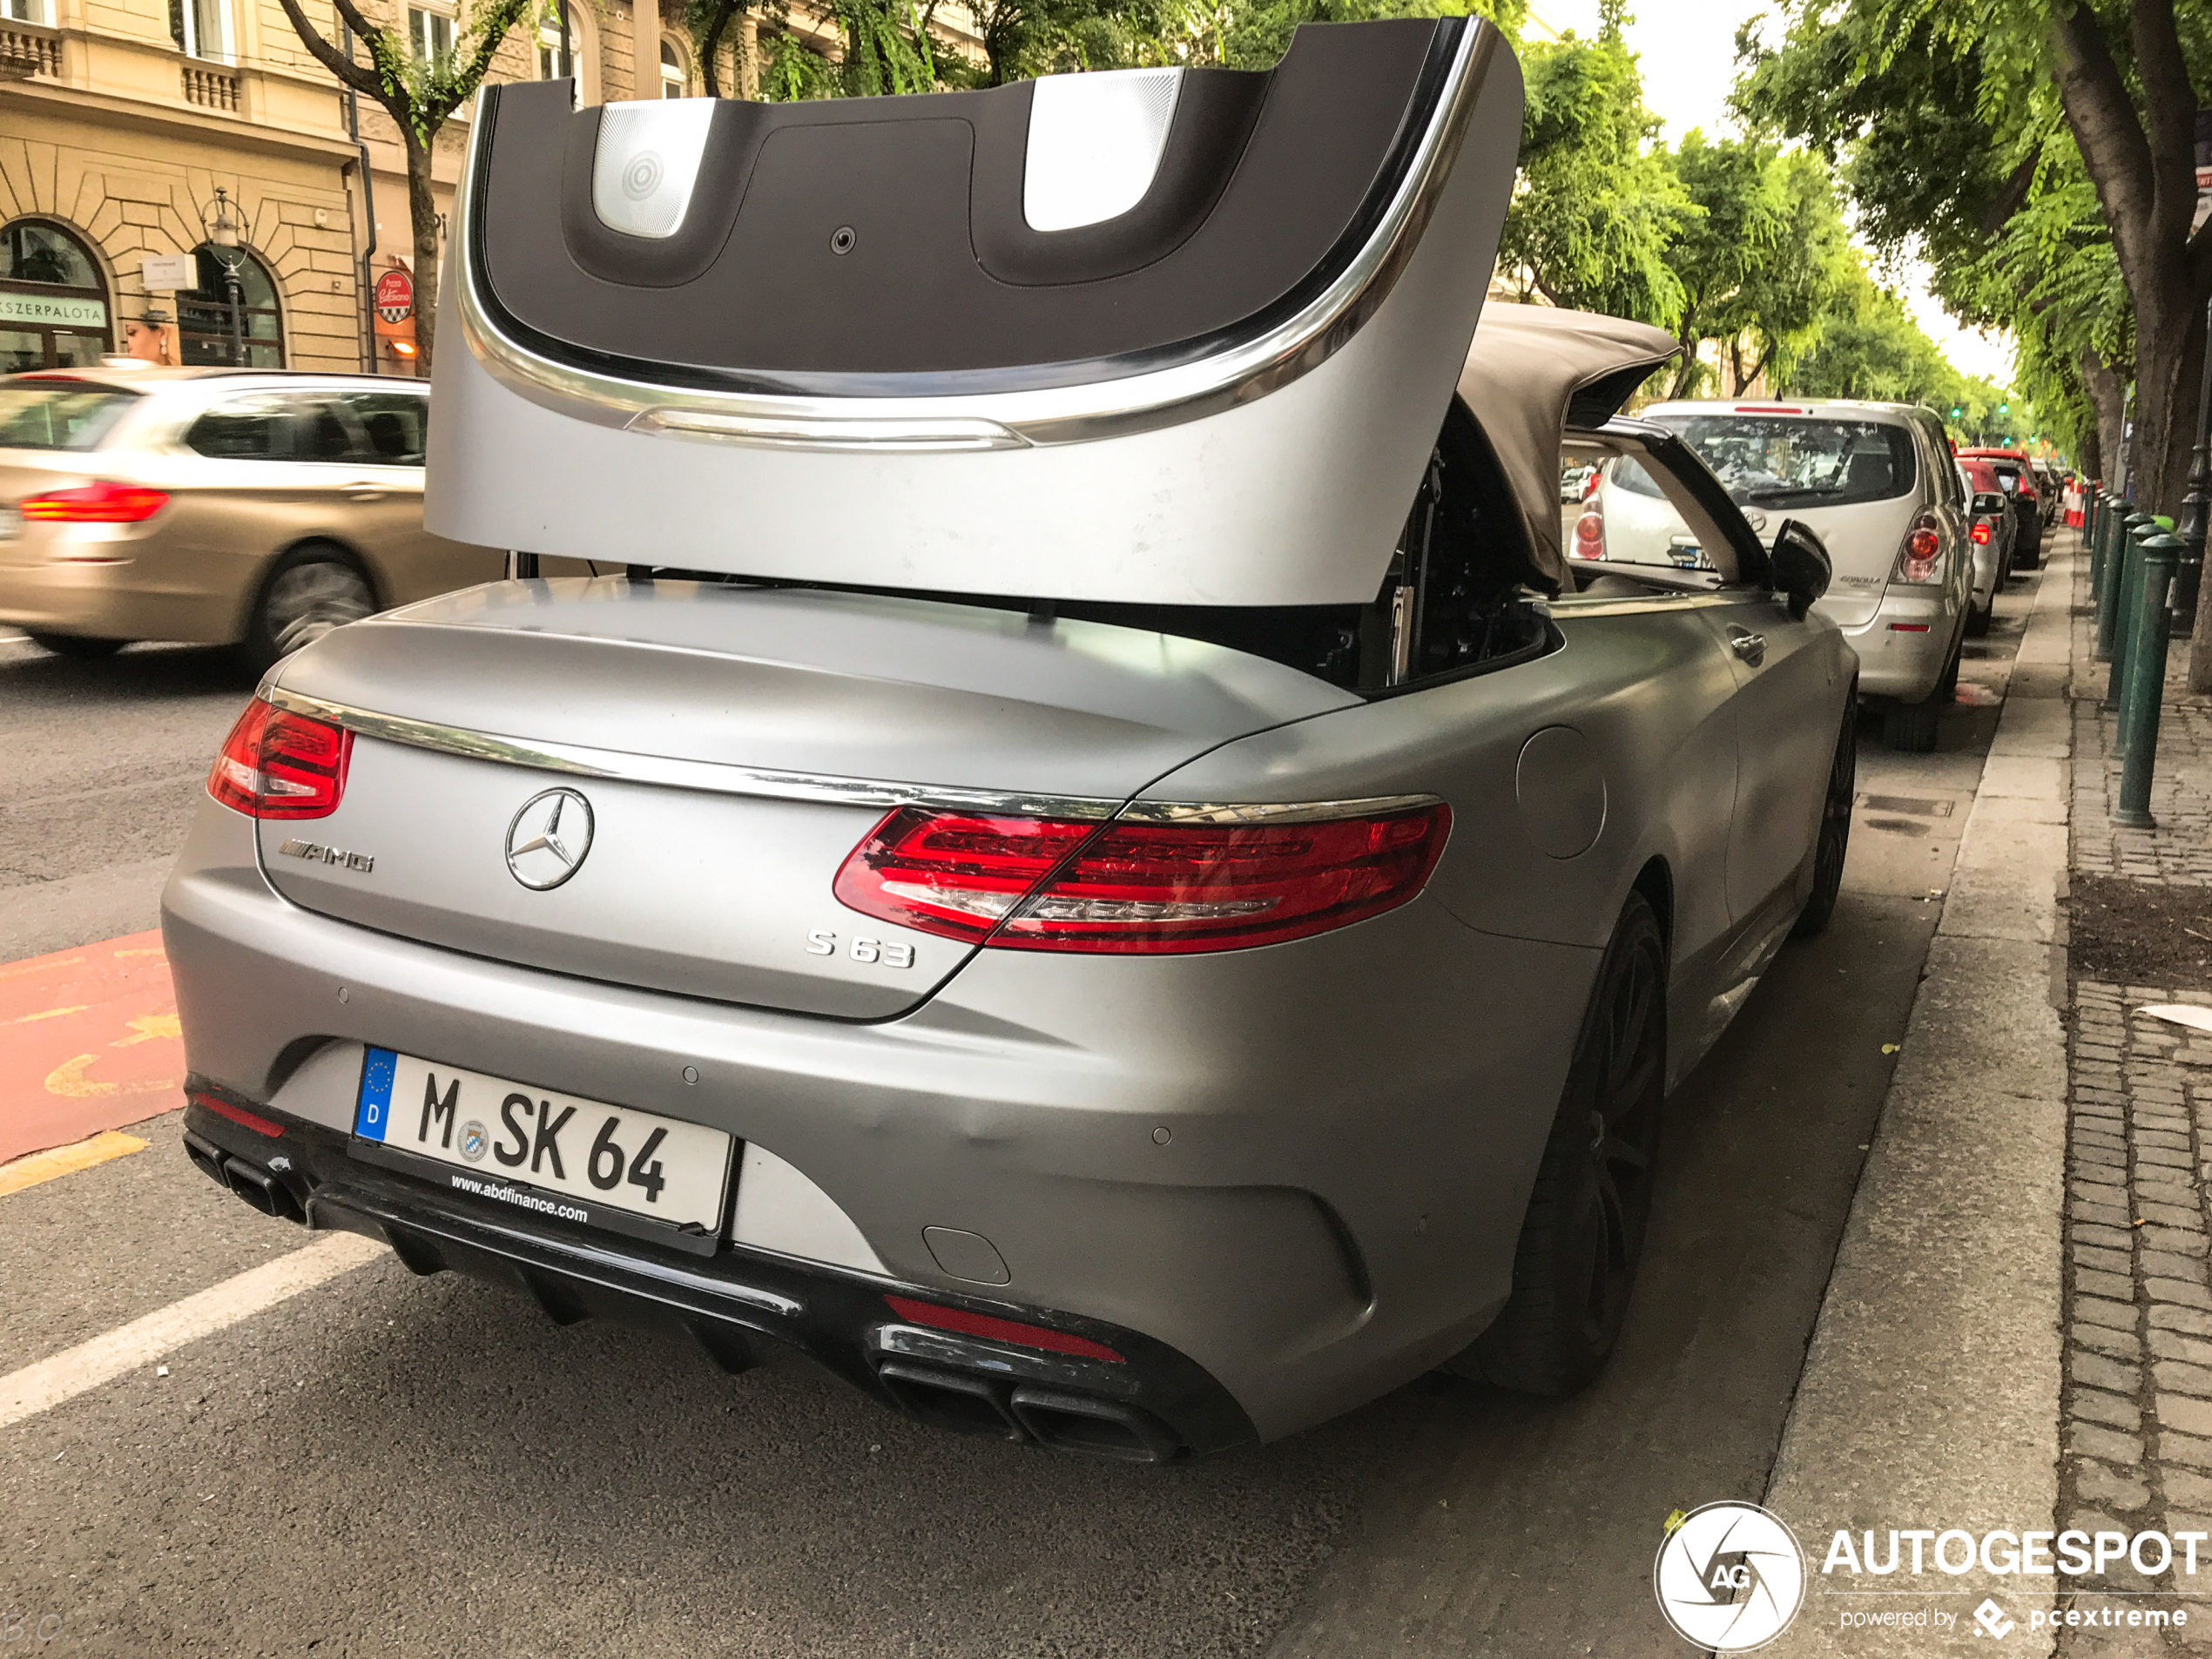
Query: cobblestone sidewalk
[{"x": 2139, "y": 1303}]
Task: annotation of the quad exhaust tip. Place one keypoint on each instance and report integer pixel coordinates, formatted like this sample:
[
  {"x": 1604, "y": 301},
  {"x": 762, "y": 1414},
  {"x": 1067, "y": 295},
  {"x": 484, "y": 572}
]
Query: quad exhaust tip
[
  {"x": 1063, "y": 1422},
  {"x": 257, "y": 1187}
]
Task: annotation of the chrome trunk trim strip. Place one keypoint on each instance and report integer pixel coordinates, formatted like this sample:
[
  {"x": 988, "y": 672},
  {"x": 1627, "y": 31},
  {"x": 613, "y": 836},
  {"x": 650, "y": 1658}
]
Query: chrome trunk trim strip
[{"x": 718, "y": 778}]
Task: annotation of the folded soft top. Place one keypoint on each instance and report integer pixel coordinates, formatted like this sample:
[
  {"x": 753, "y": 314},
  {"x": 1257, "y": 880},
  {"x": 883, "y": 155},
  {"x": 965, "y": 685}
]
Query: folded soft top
[{"x": 1172, "y": 335}]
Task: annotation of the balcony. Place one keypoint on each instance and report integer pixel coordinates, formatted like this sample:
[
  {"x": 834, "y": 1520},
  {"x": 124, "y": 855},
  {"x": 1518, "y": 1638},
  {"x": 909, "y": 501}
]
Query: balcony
[{"x": 29, "y": 49}]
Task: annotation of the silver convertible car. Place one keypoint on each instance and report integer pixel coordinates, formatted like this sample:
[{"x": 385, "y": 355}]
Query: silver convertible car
[{"x": 1096, "y": 876}]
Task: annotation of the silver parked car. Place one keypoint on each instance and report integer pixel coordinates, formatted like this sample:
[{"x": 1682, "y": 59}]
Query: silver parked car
[
  {"x": 1131, "y": 900},
  {"x": 1878, "y": 484},
  {"x": 259, "y": 508}
]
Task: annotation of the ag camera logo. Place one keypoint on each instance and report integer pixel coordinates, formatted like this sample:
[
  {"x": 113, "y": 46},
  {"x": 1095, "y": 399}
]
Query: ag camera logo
[{"x": 1731, "y": 1578}]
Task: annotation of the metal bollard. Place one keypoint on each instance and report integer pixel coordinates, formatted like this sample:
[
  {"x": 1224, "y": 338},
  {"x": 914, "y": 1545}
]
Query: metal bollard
[
  {"x": 2121, "y": 572},
  {"x": 2159, "y": 557},
  {"x": 2092, "y": 521},
  {"x": 2107, "y": 568}
]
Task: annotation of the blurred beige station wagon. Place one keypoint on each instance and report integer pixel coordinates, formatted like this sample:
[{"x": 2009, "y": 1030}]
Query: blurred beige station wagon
[{"x": 253, "y": 508}]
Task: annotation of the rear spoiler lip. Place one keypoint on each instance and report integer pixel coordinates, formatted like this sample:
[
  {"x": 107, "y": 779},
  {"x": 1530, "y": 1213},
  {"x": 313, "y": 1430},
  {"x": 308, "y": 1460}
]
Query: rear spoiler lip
[{"x": 1035, "y": 405}]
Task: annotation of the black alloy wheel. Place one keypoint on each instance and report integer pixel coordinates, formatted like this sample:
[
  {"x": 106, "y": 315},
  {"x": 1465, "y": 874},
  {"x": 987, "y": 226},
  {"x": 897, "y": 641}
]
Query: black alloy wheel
[
  {"x": 1583, "y": 1234},
  {"x": 1833, "y": 842}
]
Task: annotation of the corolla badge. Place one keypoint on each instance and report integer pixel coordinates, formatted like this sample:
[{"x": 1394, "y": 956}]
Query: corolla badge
[{"x": 547, "y": 842}]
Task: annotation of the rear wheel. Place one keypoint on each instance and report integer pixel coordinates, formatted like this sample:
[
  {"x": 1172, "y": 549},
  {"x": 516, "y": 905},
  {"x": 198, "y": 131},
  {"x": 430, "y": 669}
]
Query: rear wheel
[
  {"x": 1978, "y": 620},
  {"x": 313, "y": 590},
  {"x": 1583, "y": 1235},
  {"x": 78, "y": 646},
  {"x": 1835, "y": 830},
  {"x": 1910, "y": 728}
]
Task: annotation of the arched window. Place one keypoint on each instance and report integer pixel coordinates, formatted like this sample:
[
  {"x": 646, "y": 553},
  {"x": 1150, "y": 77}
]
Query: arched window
[
  {"x": 53, "y": 304},
  {"x": 203, "y": 316},
  {"x": 673, "y": 81}
]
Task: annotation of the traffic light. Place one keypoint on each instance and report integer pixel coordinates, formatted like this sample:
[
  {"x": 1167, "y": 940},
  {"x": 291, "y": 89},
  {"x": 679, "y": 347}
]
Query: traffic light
[
  {"x": 2004, "y": 408},
  {"x": 1958, "y": 413}
]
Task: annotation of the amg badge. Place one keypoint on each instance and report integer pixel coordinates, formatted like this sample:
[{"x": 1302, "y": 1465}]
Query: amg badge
[{"x": 322, "y": 854}]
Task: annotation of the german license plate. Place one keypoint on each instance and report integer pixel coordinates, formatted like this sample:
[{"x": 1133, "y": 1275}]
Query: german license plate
[{"x": 553, "y": 1155}]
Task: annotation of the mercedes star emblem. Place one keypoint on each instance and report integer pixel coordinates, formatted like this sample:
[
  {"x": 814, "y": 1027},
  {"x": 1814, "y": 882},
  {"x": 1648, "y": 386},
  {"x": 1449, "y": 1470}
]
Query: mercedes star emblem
[{"x": 548, "y": 840}]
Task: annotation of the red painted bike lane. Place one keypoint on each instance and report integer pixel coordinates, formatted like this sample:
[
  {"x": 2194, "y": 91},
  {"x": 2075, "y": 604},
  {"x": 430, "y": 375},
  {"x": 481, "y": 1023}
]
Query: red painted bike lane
[{"x": 88, "y": 1040}]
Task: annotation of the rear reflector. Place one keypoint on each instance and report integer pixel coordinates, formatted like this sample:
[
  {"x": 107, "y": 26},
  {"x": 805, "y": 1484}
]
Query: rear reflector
[
  {"x": 104, "y": 502},
  {"x": 237, "y": 1115},
  {"x": 982, "y": 1325},
  {"x": 1046, "y": 884},
  {"x": 276, "y": 765},
  {"x": 1908, "y": 627}
]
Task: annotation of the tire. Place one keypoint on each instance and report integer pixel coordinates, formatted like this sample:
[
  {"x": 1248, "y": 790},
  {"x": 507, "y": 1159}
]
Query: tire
[
  {"x": 1583, "y": 1234},
  {"x": 1978, "y": 620},
  {"x": 1910, "y": 728},
  {"x": 309, "y": 592},
  {"x": 1832, "y": 842},
  {"x": 83, "y": 647},
  {"x": 1947, "y": 689}
]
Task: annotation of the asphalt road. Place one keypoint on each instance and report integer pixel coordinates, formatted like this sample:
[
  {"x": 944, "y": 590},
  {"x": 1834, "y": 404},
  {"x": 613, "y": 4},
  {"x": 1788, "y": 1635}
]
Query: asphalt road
[{"x": 391, "y": 1465}]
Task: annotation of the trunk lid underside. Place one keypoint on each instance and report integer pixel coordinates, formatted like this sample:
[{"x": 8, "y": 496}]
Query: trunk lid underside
[{"x": 712, "y": 894}]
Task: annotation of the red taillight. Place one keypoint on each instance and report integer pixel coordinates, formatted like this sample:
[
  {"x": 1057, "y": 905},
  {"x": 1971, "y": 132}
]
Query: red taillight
[
  {"x": 982, "y": 1325},
  {"x": 1981, "y": 532},
  {"x": 1590, "y": 483},
  {"x": 952, "y": 874},
  {"x": 1590, "y": 535},
  {"x": 104, "y": 502},
  {"x": 275, "y": 765},
  {"x": 1920, "y": 559},
  {"x": 1045, "y": 884}
]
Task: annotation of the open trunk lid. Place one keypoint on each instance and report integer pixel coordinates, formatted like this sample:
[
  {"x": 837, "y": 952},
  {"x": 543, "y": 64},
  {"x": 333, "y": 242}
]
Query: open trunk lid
[
  {"x": 1174, "y": 336},
  {"x": 726, "y": 750}
]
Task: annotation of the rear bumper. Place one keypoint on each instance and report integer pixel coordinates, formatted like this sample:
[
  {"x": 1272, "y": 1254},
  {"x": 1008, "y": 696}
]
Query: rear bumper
[
  {"x": 1904, "y": 646},
  {"x": 100, "y": 582},
  {"x": 1304, "y": 1170},
  {"x": 748, "y": 1307}
]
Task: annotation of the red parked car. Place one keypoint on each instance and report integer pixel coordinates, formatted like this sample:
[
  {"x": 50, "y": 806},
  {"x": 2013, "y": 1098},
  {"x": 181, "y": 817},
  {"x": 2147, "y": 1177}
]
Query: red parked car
[{"x": 2018, "y": 479}]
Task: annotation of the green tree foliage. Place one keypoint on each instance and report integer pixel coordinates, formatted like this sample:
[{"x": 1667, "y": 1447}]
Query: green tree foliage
[
  {"x": 1782, "y": 301},
  {"x": 1871, "y": 347},
  {"x": 419, "y": 94},
  {"x": 1981, "y": 134},
  {"x": 1597, "y": 206}
]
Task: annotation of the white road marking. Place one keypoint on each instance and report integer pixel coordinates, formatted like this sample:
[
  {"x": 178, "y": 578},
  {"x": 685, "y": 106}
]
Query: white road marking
[{"x": 76, "y": 1371}]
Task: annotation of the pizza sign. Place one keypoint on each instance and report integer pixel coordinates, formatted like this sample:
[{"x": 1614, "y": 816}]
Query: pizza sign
[{"x": 394, "y": 296}]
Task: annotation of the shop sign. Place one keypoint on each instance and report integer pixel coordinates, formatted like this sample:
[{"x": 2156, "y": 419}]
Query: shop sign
[{"x": 57, "y": 311}]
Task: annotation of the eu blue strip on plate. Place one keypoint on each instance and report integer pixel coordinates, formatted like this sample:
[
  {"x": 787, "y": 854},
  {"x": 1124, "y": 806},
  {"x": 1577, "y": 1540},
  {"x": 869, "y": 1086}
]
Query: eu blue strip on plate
[{"x": 372, "y": 1116}]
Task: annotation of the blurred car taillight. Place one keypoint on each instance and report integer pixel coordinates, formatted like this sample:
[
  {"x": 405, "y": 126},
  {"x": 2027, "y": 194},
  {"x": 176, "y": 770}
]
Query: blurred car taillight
[
  {"x": 1049, "y": 884},
  {"x": 1981, "y": 532},
  {"x": 1919, "y": 560},
  {"x": 276, "y": 765},
  {"x": 102, "y": 502},
  {"x": 1590, "y": 535}
]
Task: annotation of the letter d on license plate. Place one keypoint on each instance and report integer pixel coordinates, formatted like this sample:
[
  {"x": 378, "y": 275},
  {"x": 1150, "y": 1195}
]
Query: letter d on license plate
[{"x": 516, "y": 1142}]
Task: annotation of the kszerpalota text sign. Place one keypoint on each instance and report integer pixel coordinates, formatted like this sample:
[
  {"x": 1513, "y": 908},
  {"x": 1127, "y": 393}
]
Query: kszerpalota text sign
[{"x": 56, "y": 311}]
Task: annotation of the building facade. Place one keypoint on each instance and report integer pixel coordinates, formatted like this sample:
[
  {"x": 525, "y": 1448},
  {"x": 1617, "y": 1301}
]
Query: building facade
[{"x": 132, "y": 129}]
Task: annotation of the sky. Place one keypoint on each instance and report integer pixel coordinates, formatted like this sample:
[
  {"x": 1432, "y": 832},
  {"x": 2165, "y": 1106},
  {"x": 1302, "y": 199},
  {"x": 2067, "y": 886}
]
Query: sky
[{"x": 1688, "y": 48}]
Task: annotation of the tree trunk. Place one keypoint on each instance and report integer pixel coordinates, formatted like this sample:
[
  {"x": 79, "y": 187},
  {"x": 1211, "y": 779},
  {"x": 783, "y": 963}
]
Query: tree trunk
[
  {"x": 2108, "y": 389},
  {"x": 422, "y": 215},
  {"x": 2169, "y": 361}
]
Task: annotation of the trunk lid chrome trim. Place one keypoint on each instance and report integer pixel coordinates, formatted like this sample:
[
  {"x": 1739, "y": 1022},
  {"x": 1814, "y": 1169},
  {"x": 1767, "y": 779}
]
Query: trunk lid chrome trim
[{"x": 579, "y": 760}]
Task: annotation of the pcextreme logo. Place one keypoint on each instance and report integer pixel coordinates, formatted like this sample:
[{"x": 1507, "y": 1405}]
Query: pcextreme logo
[{"x": 1729, "y": 1577}]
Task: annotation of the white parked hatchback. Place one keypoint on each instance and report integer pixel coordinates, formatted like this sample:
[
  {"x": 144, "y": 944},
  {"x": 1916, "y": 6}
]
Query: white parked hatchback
[{"x": 1876, "y": 481}]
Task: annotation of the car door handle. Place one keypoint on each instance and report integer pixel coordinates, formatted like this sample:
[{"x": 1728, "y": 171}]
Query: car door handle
[
  {"x": 1749, "y": 646},
  {"x": 363, "y": 491}
]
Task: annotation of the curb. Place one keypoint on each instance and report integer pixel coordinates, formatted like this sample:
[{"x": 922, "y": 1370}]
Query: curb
[{"x": 1930, "y": 1394}]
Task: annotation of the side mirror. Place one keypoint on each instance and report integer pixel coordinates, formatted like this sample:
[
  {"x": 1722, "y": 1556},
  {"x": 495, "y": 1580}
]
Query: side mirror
[
  {"x": 1989, "y": 502},
  {"x": 1801, "y": 565}
]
